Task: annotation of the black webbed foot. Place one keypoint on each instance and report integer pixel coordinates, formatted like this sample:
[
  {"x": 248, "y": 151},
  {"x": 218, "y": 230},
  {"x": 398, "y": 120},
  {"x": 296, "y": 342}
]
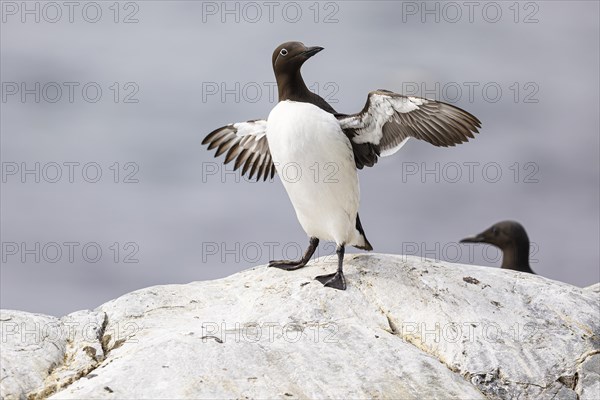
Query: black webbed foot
[
  {"x": 286, "y": 265},
  {"x": 335, "y": 280}
]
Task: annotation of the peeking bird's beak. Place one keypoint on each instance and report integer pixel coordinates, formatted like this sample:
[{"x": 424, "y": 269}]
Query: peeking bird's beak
[
  {"x": 311, "y": 51},
  {"x": 474, "y": 239}
]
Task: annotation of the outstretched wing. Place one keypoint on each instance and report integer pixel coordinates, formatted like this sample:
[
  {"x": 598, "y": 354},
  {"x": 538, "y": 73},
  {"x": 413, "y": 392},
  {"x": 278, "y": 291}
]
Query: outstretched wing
[
  {"x": 389, "y": 119},
  {"x": 246, "y": 143}
]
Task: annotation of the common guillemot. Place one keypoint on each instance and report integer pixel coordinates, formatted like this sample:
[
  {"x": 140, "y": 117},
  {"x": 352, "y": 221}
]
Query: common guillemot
[
  {"x": 303, "y": 130},
  {"x": 511, "y": 238}
]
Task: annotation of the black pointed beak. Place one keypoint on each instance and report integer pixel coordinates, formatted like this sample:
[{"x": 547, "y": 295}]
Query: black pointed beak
[
  {"x": 474, "y": 239},
  {"x": 311, "y": 51}
]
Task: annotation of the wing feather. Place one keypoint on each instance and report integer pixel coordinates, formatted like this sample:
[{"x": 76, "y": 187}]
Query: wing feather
[
  {"x": 389, "y": 119},
  {"x": 246, "y": 143}
]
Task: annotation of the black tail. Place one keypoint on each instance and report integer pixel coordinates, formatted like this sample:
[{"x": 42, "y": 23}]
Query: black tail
[{"x": 360, "y": 229}]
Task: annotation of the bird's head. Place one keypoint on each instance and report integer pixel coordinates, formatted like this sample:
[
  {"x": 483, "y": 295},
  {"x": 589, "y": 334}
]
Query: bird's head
[
  {"x": 289, "y": 57},
  {"x": 504, "y": 235}
]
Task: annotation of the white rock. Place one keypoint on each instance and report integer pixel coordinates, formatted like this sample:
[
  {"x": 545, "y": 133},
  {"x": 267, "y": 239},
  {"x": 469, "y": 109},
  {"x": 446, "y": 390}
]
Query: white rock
[
  {"x": 29, "y": 351},
  {"x": 405, "y": 328},
  {"x": 595, "y": 288},
  {"x": 588, "y": 384},
  {"x": 45, "y": 354}
]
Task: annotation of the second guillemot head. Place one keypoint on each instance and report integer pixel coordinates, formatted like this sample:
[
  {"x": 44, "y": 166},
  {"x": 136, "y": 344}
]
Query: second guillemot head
[
  {"x": 511, "y": 238},
  {"x": 287, "y": 61}
]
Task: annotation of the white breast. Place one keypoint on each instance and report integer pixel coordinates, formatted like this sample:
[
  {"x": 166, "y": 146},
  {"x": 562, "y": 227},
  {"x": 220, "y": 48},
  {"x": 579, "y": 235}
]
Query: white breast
[{"x": 315, "y": 163}]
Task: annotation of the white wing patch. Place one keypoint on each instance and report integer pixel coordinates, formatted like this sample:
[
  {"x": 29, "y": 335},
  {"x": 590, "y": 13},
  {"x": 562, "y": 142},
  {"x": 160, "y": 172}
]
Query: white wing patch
[
  {"x": 256, "y": 128},
  {"x": 382, "y": 109}
]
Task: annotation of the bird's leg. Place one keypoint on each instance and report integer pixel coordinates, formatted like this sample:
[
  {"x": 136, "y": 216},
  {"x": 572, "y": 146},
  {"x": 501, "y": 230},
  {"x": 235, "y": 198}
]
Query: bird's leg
[
  {"x": 336, "y": 280},
  {"x": 292, "y": 265}
]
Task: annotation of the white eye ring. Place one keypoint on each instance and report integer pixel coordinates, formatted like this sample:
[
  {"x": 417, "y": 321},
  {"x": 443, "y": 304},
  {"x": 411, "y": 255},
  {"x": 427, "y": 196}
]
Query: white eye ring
[{"x": 283, "y": 52}]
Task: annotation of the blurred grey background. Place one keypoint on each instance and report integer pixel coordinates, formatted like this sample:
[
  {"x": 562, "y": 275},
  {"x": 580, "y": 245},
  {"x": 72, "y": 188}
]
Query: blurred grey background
[{"x": 168, "y": 71}]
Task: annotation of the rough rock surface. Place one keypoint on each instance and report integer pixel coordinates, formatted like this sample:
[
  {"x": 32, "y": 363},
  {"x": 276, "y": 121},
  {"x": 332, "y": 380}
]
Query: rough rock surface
[
  {"x": 595, "y": 288},
  {"x": 406, "y": 328}
]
